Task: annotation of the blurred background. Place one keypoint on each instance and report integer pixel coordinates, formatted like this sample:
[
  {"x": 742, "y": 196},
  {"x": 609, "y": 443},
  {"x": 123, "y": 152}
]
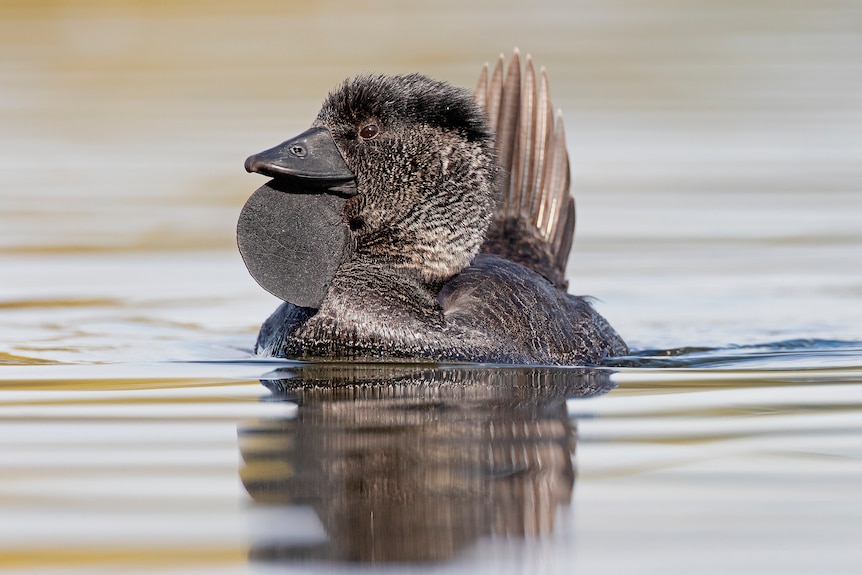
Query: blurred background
[{"x": 715, "y": 150}]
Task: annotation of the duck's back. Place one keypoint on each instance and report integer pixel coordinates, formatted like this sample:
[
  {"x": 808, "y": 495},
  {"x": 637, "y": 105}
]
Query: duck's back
[
  {"x": 535, "y": 219},
  {"x": 523, "y": 318},
  {"x": 516, "y": 289}
]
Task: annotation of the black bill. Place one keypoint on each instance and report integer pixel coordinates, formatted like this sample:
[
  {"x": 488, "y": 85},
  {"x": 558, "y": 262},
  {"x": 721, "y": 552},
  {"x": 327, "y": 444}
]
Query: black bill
[{"x": 311, "y": 156}]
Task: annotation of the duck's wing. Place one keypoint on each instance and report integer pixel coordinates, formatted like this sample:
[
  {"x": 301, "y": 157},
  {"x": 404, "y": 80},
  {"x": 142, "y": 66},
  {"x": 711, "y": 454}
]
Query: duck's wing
[{"x": 535, "y": 219}]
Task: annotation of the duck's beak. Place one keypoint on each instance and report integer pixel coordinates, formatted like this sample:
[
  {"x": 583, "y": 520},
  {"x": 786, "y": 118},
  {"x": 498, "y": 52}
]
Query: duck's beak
[
  {"x": 291, "y": 231},
  {"x": 312, "y": 157}
]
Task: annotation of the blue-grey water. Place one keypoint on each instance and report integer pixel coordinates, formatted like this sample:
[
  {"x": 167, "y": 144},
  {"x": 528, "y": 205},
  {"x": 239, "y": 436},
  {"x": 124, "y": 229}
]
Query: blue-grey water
[{"x": 716, "y": 160}]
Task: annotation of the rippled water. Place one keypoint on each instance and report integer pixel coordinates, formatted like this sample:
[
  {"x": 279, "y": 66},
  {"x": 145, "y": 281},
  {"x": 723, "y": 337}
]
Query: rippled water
[
  {"x": 716, "y": 163},
  {"x": 198, "y": 467}
]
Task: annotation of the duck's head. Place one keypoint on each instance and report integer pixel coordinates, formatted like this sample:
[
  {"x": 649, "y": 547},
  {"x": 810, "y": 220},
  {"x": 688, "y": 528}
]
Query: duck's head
[{"x": 398, "y": 170}]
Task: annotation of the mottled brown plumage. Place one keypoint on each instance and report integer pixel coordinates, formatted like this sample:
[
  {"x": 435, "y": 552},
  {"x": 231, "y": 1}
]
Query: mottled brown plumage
[{"x": 427, "y": 189}]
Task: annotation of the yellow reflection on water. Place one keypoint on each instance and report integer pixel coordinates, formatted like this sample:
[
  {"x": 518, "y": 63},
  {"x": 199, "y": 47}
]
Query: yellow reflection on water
[{"x": 187, "y": 557}]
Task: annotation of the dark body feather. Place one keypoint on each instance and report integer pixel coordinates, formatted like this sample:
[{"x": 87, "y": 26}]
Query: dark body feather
[
  {"x": 431, "y": 196},
  {"x": 495, "y": 311}
]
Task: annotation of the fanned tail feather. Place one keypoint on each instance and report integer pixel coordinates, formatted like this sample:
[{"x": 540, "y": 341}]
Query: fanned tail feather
[{"x": 535, "y": 220}]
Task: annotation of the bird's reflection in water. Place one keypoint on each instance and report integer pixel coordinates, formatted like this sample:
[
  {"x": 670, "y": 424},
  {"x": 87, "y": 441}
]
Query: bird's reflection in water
[{"x": 414, "y": 463}]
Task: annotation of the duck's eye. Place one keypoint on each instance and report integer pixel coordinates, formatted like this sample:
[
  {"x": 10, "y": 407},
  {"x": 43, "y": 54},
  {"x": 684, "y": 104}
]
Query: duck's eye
[
  {"x": 356, "y": 223},
  {"x": 369, "y": 132}
]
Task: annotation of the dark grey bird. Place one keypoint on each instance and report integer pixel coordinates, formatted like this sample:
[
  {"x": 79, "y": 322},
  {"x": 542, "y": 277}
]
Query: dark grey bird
[{"x": 415, "y": 221}]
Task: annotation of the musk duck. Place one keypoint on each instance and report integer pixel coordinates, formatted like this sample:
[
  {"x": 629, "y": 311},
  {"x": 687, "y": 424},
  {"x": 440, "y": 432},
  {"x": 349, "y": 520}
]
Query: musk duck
[{"x": 417, "y": 221}]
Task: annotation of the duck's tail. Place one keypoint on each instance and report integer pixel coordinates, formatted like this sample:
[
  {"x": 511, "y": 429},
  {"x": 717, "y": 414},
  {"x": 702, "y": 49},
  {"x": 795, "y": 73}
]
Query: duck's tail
[{"x": 535, "y": 220}]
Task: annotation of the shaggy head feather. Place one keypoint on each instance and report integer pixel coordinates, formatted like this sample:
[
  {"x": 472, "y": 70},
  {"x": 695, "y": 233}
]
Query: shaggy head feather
[{"x": 426, "y": 176}]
